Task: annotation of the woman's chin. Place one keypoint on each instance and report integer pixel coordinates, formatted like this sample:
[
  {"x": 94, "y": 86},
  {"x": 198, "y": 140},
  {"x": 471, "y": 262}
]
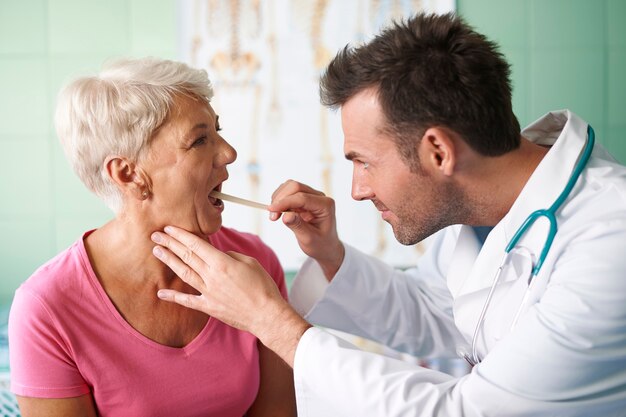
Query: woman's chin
[
  {"x": 201, "y": 229},
  {"x": 211, "y": 227}
]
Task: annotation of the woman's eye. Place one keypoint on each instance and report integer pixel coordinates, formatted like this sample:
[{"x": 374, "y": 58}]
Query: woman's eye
[
  {"x": 199, "y": 141},
  {"x": 365, "y": 165}
]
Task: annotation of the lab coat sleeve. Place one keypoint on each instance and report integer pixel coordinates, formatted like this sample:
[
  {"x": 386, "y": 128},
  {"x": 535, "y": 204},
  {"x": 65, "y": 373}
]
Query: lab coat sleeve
[
  {"x": 410, "y": 311},
  {"x": 566, "y": 357},
  {"x": 352, "y": 382}
]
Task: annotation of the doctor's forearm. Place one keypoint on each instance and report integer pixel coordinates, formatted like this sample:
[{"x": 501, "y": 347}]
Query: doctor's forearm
[{"x": 280, "y": 328}]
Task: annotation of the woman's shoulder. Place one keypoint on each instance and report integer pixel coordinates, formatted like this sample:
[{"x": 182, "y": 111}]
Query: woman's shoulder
[{"x": 59, "y": 274}]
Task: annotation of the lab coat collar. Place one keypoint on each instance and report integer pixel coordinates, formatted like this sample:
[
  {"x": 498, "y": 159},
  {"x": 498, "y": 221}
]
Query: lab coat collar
[{"x": 566, "y": 134}]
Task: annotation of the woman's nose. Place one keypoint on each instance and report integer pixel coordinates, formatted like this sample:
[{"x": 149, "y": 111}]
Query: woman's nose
[{"x": 228, "y": 154}]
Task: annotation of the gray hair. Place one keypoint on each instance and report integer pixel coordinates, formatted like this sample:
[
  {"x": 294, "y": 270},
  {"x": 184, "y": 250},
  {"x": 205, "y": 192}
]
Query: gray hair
[{"x": 116, "y": 113}]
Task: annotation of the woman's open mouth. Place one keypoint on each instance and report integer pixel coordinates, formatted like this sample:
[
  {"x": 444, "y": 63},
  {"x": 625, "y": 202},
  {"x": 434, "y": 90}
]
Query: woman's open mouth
[{"x": 216, "y": 202}]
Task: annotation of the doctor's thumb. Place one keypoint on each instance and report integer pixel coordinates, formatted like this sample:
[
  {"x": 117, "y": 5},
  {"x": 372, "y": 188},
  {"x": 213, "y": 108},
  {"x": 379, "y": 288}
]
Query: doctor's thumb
[{"x": 292, "y": 220}]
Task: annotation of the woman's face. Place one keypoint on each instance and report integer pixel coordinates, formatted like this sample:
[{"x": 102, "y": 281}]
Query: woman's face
[{"x": 187, "y": 160}]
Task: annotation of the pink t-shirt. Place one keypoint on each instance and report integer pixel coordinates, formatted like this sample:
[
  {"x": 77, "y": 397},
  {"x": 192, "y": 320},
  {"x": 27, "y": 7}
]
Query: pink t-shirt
[{"x": 67, "y": 339}]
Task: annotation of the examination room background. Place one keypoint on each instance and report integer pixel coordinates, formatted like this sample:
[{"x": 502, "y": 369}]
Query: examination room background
[{"x": 564, "y": 53}]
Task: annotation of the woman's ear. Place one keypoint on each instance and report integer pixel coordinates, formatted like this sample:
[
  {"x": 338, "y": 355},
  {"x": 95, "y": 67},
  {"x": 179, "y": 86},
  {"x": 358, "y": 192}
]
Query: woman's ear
[
  {"x": 130, "y": 179},
  {"x": 438, "y": 151}
]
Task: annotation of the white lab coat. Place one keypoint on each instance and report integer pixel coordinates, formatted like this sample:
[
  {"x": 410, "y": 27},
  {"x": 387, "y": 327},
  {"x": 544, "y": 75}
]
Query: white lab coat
[{"x": 565, "y": 357}]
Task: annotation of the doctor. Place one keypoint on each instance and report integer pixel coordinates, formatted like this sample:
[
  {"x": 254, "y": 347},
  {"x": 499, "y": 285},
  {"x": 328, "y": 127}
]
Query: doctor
[{"x": 535, "y": 300}]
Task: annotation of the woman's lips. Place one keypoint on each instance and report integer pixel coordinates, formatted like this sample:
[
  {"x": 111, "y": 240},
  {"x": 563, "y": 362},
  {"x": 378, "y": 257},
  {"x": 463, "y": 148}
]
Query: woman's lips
[{"x": 216, "y": 202}]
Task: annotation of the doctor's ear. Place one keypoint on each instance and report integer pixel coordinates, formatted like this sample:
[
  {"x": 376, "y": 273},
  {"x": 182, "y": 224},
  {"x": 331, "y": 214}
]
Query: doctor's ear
[
  {"x": 129, "y": 177},
  {"x": 437, "y": 151}
]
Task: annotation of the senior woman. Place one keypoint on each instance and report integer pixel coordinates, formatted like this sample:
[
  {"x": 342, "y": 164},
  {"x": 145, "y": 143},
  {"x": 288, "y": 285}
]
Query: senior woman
[{"x": 88, "y": 335}]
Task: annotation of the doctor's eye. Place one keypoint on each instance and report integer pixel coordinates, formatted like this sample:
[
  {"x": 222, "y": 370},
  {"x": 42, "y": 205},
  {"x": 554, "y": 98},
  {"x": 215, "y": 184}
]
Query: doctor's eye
[{"x": 365, "y": 165}]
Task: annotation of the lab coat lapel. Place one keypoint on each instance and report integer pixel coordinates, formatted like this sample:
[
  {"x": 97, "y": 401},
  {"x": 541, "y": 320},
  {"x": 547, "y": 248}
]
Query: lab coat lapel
[
  {"x": 562, "y": 131},
  {"x": 476, "y": 280}
]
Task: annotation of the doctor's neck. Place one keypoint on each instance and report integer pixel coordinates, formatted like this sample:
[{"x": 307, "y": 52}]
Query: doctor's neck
[{"x": 494, "y": 183}]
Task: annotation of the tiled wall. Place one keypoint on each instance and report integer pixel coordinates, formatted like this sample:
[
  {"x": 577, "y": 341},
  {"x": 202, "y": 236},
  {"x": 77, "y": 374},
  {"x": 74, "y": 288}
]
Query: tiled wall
[
  {"x": 565, "y": 53},
  {"x": 43, "y": 207}
]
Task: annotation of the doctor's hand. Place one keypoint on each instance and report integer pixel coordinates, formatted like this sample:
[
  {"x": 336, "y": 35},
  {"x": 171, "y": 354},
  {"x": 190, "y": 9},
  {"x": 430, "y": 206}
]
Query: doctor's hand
[
  {"x": 311, "y": 216},
  {"x": 234, "y": 288}
]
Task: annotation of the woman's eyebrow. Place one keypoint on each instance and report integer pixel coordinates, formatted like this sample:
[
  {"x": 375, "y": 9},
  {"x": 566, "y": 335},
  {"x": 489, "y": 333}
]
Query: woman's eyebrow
[
  {"x": 188, "y": 135},
  {"x": 200, "y": 126}
]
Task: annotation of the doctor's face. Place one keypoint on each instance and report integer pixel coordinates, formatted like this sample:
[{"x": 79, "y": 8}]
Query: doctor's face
[{"x": 415, "y": 204}]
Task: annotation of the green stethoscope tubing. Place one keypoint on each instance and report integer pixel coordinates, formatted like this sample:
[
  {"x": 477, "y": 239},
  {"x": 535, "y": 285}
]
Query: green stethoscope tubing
[{"x": 550, "y": 213}]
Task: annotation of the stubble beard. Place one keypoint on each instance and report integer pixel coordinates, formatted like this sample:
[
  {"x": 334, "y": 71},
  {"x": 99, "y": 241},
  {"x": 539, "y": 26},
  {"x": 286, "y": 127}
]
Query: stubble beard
[{"x": 447, "y": 206}]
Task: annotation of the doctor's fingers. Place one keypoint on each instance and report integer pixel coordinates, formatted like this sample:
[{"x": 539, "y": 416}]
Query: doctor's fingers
[
  {"x": 309, "y": 206},
  {"x": 190, "y": 269},
  {"x": 280, "y": 198},
  {"x": 187, "y": 255},
  {"x": 185, "y": 244},
  {"x": 252, "y": 277},
  {"x": 291, "y": 187},
  {"x": 196, "y": 302}
]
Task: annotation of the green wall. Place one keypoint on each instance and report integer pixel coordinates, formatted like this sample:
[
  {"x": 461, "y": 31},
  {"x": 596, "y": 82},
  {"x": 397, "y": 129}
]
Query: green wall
[
  {"x": 565, "y": 53},
  {"x": 43, "y": 206}
]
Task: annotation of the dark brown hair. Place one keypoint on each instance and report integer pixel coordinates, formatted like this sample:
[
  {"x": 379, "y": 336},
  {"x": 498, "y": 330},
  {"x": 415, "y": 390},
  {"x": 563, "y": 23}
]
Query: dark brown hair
[{"x": 431, "y": 70}]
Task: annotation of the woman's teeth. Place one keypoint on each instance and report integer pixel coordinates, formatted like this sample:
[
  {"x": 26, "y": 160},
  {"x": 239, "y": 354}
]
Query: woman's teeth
[{"x": 216, "y": 201}]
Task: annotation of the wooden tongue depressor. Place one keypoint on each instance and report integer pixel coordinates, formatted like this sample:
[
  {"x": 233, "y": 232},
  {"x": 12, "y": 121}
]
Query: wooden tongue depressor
[{"x": 233, "y": 199}]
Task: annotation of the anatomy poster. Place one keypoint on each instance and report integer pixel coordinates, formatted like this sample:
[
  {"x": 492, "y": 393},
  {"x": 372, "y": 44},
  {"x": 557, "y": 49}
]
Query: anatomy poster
[{"x": 264, "y": 59}]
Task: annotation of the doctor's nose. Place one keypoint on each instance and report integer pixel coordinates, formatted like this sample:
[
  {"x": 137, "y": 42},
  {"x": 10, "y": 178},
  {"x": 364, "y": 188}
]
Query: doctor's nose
[{"x": 360, "y": 190}]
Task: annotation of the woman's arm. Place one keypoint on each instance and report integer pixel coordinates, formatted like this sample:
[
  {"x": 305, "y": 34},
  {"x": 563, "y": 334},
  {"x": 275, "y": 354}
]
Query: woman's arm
[
  {"x": 57, "y": 407},
  {"x": 276, "y": 396}
]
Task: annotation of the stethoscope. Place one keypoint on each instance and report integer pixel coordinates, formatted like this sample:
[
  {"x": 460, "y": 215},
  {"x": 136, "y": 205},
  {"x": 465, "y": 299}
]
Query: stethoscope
[{"x": 550, "y": 214}]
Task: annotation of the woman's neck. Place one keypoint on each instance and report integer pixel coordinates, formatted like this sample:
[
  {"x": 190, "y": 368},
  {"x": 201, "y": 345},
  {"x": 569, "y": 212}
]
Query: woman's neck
[{"x": 121, "y": 250}]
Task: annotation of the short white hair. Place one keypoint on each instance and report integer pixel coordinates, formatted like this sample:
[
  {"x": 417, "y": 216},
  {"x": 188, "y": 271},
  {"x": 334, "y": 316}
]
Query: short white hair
[{"x": 117, "y": 112}]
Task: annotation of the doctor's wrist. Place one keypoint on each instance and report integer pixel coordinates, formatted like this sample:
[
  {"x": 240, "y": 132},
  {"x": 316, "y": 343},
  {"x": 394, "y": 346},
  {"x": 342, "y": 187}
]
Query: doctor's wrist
[
  {"x": 331, "y": 265},
  {"x": 281, "y": 332}
]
